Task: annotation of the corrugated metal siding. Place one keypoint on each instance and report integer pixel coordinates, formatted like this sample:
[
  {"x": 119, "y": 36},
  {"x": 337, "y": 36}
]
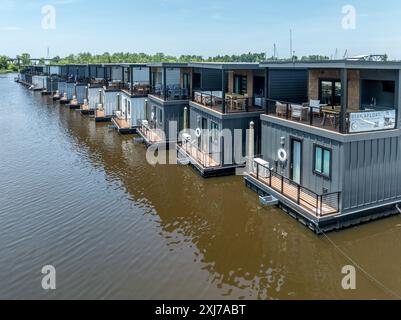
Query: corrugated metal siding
[
  {"x": 110, "y": 102},
  {"x": 81, "y": 93},
  {"x": 271, "y": 143},
  {"x": 94, "y": 99},
  {"x": 137, "y": 109},
  {"x": 372, "y": 172},
  {"x": 288, "y": 85},
  {"x": 39, "y": 81},
  {"x": 210, "y": 79},
  {"x": 62, "y": 87},
  {"x": 70, "y": 89},
  {"x": 173, "y": 76}
]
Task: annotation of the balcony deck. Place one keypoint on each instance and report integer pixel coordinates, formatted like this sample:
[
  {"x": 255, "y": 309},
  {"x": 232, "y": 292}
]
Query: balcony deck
[
  {"x": 318, "y": 206},
  {"x": 150, "y": 136}
]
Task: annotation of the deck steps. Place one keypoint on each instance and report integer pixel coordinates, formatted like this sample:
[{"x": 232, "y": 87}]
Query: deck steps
[{"x": 268, "y": 201}]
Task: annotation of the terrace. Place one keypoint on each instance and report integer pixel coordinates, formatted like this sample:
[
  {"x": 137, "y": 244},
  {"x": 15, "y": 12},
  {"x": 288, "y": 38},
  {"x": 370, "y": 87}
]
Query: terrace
[
  {"x": 170, "y": 81},
  {"x": 317, "y": 205},
  {"x": 343, "y": 100},
  {"x": 149, "y": 133},
  {"x": 228, "y": 88}
]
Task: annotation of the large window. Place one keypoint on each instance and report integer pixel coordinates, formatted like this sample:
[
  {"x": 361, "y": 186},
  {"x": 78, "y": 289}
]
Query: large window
[
  {"x": 240, "y": 84},
  {"x": 160, "y": 116},
  {"x": 330, "y": 92},
  {"x": 322, "y": 162},
  {"x": 214, "y": 128}
]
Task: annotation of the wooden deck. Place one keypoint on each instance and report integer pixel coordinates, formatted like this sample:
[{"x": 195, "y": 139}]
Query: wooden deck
[
  {"x": 150, "y": 135},
  {"x": 306, "y": 200},
  {"x": 100, "y": 114},
  {"x": 122, "y": 123},
  {"x": 317, "y": 122},
  {"x": 204, "y": 159}
]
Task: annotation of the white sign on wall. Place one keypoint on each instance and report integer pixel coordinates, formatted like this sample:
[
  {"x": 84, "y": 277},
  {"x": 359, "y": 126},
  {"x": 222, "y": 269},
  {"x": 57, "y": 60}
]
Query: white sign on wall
[{"x": 372, "y": 121}]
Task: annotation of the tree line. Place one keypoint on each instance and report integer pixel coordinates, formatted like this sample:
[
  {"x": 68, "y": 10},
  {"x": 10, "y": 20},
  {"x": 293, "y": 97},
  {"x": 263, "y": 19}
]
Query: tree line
[{"x": 121, "y": 57}]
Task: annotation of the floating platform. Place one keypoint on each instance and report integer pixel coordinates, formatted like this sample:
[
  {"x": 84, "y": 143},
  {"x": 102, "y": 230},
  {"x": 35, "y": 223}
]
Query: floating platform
[
  {"x": 74, "y": 106},
  {"x": 322, "y": 225},
  {"x": 103, "y": 119},
  {"x": 210, "y": 172},
  {"x": 121, "y": 129},
  {"x": 87, "y": 112},
  {"x": 64, "y": 102}
]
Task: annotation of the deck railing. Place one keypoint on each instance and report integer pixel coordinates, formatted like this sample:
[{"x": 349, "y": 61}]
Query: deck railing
[
  {"x": 150, "y": 134},
  {"x": 205, "y": 159},
  {"x": 231, "y": 104},
  {"x": 330, "y": 117},
  {"x": 170, "y": 93},
  {"x": 320, "y": 205}
]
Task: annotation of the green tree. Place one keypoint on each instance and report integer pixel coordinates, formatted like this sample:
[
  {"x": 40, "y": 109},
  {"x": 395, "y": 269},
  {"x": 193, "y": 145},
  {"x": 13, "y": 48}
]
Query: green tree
[
  {"x": 3, "y": 62},
  {"x": 25, "y": 59}
]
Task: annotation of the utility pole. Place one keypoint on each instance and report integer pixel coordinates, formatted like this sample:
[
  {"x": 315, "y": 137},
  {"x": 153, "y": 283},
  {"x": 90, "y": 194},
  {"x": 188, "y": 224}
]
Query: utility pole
[{"x": 291, "y": 52}]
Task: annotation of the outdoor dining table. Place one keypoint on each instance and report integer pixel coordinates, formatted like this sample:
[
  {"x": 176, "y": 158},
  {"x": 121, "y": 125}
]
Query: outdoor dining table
[{"x": 331, "y": 113}]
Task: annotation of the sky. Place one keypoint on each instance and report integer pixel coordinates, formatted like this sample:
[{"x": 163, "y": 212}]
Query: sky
[{"x": 203, "y": 27}]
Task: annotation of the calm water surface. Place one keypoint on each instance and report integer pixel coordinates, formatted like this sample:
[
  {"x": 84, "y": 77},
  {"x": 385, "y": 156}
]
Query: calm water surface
[{"x": 78, "y": 196}]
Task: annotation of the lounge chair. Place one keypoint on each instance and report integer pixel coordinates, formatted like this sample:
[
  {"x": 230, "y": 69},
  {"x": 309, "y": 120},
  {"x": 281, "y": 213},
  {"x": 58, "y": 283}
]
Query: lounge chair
[{"x": 281, "y": 109}]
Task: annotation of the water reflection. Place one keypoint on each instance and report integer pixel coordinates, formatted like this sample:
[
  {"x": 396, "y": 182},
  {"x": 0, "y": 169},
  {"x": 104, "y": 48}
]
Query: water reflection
[{"x": 120, "y": 228}]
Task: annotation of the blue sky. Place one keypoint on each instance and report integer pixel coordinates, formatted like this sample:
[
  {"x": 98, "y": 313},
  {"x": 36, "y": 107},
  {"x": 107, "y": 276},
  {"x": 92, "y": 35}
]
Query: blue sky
[{"x": 203, "y": 27}]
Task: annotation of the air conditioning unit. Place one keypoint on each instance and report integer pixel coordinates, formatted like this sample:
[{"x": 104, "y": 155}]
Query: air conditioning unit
[
  {"x": 186, "y": 137},
  {"x": 263, "y": 166}
]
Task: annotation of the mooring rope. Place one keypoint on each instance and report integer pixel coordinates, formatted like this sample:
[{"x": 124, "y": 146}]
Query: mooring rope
[{"x": 357, "y": 265}]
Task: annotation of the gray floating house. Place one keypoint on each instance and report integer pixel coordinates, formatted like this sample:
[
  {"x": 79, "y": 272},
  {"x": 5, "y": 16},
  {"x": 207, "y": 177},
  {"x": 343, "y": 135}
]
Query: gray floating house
[
  {"x": 135, "y": 87},
  {"x": 332, "y": 160},
  {"x": 227, "y": 102},
  {"x": 111, "y": 87},
  {"x": 170, "y": 91},
  {"x": 96, "y": 81}
]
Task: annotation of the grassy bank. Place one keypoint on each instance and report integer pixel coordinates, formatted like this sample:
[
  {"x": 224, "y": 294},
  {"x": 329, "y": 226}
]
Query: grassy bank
[{"x": 4, "y": 71}]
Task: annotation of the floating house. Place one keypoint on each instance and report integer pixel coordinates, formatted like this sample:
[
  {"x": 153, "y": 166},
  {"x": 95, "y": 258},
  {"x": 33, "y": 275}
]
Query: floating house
[
  {"x": 96, "y": 82},
  {"x": 131, "y": 100},
  {"x": 113, "y": 82},
  {"x": 226, "y": 105},
  {"x": 170, "y": 92},
  {"x": 333, "y": 160}
]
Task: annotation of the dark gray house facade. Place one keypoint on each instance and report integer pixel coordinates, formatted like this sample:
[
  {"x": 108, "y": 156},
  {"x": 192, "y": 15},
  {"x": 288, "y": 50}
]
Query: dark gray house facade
[
  {"x": 333, "y": 160},
  {"x": 225, "y": 109}
]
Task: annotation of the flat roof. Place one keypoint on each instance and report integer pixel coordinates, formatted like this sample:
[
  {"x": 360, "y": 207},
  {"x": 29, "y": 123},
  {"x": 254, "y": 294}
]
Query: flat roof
[
  {"x": 334, "y": 64},
  {"x": 167, "y": 64},
  {"x": 225, "y": 65}
]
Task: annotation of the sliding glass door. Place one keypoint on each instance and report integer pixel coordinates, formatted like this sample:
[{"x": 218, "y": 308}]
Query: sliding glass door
[{"x": 330, "y": 92}]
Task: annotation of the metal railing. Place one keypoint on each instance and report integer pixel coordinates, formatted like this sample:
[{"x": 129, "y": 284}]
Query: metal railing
[
  {"x": 170, "y": 93},
  {"x": 319, "y": 205},
  {"x": 149, "y": 133},
  {"x": 322, "y": 116},
  {"x": 205, "y": 159},
  {"x": 231, "y": 104}
]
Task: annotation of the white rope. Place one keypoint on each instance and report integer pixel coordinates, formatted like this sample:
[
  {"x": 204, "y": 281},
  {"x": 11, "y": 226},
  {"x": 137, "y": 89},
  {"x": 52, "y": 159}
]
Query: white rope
[{"x": 367, "y": 274}]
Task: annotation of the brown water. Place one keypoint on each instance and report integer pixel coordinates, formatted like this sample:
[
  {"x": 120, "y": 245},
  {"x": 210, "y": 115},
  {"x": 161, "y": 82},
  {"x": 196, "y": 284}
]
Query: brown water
[{"x": 78, "y": 196}]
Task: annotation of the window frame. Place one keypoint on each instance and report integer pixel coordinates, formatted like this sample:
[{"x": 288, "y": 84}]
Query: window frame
[{"x": 327, "y": 149}]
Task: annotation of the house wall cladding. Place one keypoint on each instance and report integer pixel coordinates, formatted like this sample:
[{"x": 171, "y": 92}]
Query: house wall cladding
[
  {"x": 93, "y": 97},
  {"x": 371, "y": 172},
  {"x": 288, "y": 85},
  {"x": 273, "y": 135}
]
